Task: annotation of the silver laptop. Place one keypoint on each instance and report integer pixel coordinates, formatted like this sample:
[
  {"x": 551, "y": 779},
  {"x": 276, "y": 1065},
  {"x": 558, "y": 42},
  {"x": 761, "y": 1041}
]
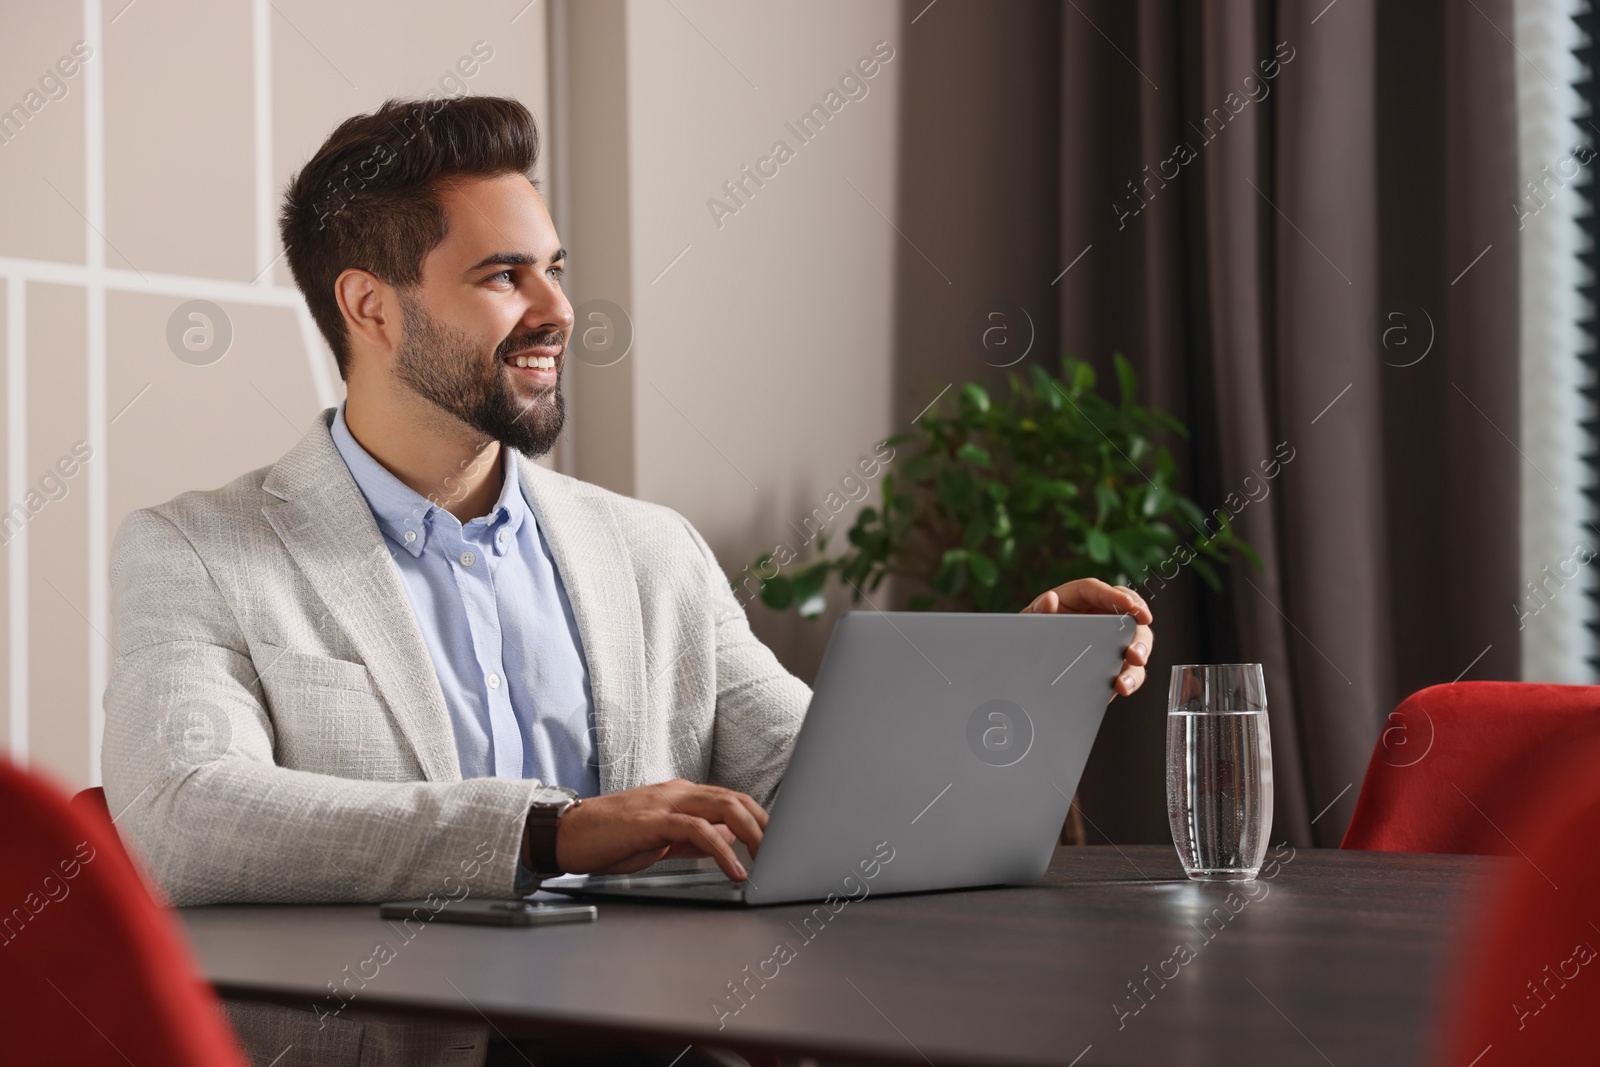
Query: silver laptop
[{"x": 940, "y": 751}]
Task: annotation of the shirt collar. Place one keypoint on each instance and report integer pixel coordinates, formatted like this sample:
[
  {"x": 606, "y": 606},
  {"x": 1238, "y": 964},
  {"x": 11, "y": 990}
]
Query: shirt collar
[{"x": 406, "y": 516}]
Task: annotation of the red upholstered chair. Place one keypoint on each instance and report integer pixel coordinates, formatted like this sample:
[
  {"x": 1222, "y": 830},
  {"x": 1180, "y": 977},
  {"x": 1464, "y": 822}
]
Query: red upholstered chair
[
  {"x": 92, "y": 799},
  {"x": 1454, "y": 762},
  {"x": 1527, "y": 987},
  {"x": 92, "y": 971}
]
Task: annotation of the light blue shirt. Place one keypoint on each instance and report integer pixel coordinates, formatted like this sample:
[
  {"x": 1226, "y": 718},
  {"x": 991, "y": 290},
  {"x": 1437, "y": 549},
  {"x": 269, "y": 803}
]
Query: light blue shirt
[{"x": 497, "y": 623}]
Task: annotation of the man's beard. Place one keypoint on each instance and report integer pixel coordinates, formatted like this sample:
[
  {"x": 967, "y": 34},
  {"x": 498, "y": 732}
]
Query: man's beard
[{"x": 443, "y": 366}]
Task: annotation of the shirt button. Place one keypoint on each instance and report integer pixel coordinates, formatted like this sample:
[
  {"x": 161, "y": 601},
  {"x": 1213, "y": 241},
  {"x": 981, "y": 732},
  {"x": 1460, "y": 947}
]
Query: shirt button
[
  {"x": 503, "y": 535},
  {"x": 411, "y": 535},
  {"x": 494, "y": 681},
  {"x": 468, "y": 559}
]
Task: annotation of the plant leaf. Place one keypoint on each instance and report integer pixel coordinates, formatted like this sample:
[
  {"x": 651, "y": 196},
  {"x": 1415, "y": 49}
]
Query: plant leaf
[
  {"x": 1083, "y": 377},
  {"x": 777, "y": 593},
  {"x": 1166, "y": 469},
  {"x": 973, "y": 454},
  {"x": 1248, "y": 552},
  {"x": 955, "y": 489},
  {"x": 920, "y": 467},
  {"x": 1128, "y": 560},
  {"x": 1156, "y": 501},
  {"x": 809, "y": 599},
  {"x": 976, "y": 531},
  {"x": 1170, "y": 423},
  {"x": 983, "y": 569},
  {"x": 1046, "y": 387},
  {"x": 1099, "y": 546},
  {"x": 1106, "y": 499},
  {"x": 1126, "y": 378},
  {"x": 952, "y": 573},
  {"x": 1002, "y": 522}
]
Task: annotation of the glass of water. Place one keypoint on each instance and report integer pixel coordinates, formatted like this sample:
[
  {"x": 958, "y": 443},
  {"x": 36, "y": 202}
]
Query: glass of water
[{"x": 1219, "y": 769}]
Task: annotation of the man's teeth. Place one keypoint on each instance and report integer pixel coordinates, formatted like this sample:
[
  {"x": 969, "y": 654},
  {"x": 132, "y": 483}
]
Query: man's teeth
[{"x": 540, "y": 362}]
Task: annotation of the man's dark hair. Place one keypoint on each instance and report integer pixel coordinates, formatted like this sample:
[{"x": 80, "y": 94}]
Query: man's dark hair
[{"x": 369, "y": 198}]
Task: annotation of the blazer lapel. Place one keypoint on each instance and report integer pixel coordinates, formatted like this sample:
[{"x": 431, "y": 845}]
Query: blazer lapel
[
  {"x": 328, "y": 528},
  {"x": 597, "y": 572}
]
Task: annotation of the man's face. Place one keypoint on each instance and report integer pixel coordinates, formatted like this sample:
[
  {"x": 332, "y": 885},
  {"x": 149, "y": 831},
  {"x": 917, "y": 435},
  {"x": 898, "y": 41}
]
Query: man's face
[{"x": 484, "y": 335}]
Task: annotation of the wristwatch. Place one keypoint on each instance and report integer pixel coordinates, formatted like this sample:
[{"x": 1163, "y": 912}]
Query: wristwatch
[{"x": 539, "y": 835}]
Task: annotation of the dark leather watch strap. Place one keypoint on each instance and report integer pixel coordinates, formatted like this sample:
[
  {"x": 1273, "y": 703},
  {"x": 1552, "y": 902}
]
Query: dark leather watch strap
[{"x": 543, "y": 821}]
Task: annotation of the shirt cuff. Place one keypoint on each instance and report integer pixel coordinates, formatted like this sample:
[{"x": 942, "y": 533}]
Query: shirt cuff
[{"x": 526, "y": 881}]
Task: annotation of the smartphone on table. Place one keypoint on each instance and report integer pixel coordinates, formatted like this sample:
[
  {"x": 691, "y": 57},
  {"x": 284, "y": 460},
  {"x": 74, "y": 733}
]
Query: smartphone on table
[{"x": 487, "y": 911}]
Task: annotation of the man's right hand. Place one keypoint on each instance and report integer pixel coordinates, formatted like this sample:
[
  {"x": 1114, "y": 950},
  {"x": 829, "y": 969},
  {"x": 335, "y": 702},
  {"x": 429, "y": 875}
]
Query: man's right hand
[{"x": 619, "y": 833}]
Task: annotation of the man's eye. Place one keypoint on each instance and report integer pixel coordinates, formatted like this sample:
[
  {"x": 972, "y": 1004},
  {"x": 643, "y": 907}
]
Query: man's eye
[
  {"x": 557, "y": 273},
  {"x": 506, "y": 274}
]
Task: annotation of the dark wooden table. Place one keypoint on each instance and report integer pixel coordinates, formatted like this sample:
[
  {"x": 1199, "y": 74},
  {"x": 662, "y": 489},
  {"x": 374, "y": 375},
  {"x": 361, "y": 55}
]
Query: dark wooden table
[{"x": 1336, "y": 958}]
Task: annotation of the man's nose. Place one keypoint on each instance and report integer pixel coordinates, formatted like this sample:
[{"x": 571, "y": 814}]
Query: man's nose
[{"x": 556, "y": 312}]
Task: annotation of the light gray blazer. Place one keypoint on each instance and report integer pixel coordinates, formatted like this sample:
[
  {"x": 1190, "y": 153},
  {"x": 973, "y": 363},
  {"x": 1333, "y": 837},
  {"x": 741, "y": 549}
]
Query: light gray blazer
[{"x": 274, "y": 728}]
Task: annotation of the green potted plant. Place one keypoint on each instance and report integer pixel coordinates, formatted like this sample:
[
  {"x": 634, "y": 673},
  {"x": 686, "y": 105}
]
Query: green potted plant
[{"x": 1005, "y": 498}]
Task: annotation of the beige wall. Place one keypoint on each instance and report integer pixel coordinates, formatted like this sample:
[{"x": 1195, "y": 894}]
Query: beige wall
[
  {"x": 761, "y": 366},
  {"x": 762, "y": 359},
  {"x": 173, "y": 141}
]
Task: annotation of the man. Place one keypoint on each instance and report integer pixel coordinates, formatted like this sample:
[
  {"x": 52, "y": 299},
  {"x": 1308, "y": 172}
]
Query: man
[{"x": 388, "y": 665}]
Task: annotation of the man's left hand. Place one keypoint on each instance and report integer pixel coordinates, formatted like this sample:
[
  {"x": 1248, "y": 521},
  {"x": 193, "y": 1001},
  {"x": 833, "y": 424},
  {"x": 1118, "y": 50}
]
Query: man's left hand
[{"x": 1091, "y": 596}]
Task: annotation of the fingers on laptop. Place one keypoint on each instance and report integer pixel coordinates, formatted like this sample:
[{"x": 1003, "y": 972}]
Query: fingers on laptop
[
  {"x": 755, "y": 809},
  {"x": 736, "y": 814},
  {"x": 698, "y": 833},
  {"x": 1129, "y": 681},
  {"x": 1046, "y": 603},
  {"x": 1134, "y": 661},
  {"x": 1092, "y": 596},
  {"x": 734, "y": 810},
  {"x": 1132, "y": 603},
  {"x": 1138, "y": 654}
]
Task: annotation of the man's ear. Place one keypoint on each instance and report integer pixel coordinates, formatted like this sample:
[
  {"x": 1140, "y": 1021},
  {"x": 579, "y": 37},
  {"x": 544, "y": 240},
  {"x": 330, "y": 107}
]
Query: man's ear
[{"x": 371, "y": 310}]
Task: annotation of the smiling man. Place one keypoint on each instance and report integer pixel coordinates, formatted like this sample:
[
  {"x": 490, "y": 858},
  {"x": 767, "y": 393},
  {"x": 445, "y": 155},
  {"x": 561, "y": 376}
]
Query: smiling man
[{"x": 405, "y": 660}]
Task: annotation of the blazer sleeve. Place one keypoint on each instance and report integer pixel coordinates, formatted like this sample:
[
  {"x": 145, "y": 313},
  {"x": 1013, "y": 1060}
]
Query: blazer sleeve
[
  {"x": 190, "y": 776},
  {"x": 760, "y": 705}
]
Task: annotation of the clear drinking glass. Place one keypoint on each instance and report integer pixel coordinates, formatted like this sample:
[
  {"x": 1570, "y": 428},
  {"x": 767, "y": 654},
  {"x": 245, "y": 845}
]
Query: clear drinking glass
[{"x": 1219, "y": 769}]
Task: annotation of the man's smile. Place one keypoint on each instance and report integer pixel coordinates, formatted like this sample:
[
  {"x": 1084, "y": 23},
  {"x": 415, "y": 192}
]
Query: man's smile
[{"x": 538, "y": 363}]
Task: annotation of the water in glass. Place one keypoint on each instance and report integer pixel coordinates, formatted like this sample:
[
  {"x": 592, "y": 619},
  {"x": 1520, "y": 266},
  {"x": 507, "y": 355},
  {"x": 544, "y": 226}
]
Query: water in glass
[{"x": 1219, "y": 773}]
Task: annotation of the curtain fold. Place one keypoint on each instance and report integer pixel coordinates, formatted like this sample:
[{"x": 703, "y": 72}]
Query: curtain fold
[{"x": 1335, "y": 570}]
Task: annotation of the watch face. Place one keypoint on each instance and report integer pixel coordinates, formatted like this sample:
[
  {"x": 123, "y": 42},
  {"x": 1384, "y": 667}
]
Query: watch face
[{"x": 556, "y": 807}]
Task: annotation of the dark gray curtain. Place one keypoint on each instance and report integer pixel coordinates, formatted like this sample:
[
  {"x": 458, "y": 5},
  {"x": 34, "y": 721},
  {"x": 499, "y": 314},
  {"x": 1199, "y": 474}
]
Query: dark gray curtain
[{"x": 1326, "y": 271}]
